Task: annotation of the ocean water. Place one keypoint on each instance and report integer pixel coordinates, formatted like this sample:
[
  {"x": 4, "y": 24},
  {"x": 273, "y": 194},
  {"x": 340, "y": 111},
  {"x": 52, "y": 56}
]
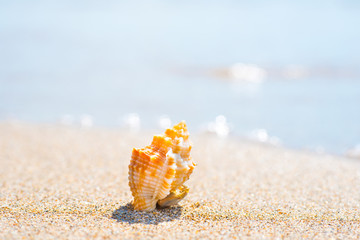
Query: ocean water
[{"x": 94, "y": 63}]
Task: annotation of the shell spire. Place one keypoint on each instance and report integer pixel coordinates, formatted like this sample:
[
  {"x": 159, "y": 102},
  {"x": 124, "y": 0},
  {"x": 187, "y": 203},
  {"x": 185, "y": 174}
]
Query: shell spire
[{"x": 157, "y": 172}]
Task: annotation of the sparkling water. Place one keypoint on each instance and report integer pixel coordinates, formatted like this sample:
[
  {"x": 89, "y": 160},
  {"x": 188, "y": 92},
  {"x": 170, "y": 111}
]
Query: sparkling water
[{"x": 279, "y": 72}]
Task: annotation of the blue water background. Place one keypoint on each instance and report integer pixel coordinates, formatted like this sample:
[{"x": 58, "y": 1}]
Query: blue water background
[{"x": 111, "y": 58}]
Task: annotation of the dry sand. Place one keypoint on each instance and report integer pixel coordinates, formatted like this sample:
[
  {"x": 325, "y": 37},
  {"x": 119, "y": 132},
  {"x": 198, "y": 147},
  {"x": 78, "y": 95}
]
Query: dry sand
[{"x": 59, "y": 182}]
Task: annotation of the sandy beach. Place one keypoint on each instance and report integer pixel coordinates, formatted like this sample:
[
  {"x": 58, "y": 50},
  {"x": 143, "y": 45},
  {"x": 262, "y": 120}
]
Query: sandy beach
[{"x": 61, "y": 182}]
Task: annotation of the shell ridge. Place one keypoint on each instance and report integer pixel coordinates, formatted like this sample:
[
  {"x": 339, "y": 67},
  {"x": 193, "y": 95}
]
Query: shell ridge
[{"x": 159, "y": 183}]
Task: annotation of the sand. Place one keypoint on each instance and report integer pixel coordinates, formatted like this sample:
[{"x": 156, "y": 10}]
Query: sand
[{"x": 71, "y": 183}]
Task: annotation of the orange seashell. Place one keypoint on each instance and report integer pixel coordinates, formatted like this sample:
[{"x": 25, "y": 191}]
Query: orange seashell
[{"x": 157, "y": 172}]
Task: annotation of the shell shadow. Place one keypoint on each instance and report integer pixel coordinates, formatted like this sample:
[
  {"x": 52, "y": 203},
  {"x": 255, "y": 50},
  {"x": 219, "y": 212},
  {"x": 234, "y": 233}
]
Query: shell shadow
[{"x": 126, "y": 213}]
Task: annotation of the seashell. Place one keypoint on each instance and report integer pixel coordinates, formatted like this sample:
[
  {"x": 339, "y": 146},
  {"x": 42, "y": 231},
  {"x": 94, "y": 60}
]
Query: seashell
[{"x": 157, "y": 172}]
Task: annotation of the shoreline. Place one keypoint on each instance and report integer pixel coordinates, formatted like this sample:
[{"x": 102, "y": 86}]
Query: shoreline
[
  {"x": 64, "y": 182},
  {"x": 149, "y": 132}
]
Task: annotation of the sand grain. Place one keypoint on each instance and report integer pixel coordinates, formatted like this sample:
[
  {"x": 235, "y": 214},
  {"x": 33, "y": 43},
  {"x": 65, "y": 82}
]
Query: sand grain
[{"x": 58, "y": 182}]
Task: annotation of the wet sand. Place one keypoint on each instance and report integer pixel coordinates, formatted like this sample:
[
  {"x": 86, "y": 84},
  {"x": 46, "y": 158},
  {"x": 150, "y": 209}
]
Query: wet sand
[{"x": 65, "y": 182}]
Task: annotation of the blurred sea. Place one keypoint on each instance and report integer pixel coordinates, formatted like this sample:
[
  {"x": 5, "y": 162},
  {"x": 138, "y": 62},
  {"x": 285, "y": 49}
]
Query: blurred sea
[{"x": 282, "y": 70}]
